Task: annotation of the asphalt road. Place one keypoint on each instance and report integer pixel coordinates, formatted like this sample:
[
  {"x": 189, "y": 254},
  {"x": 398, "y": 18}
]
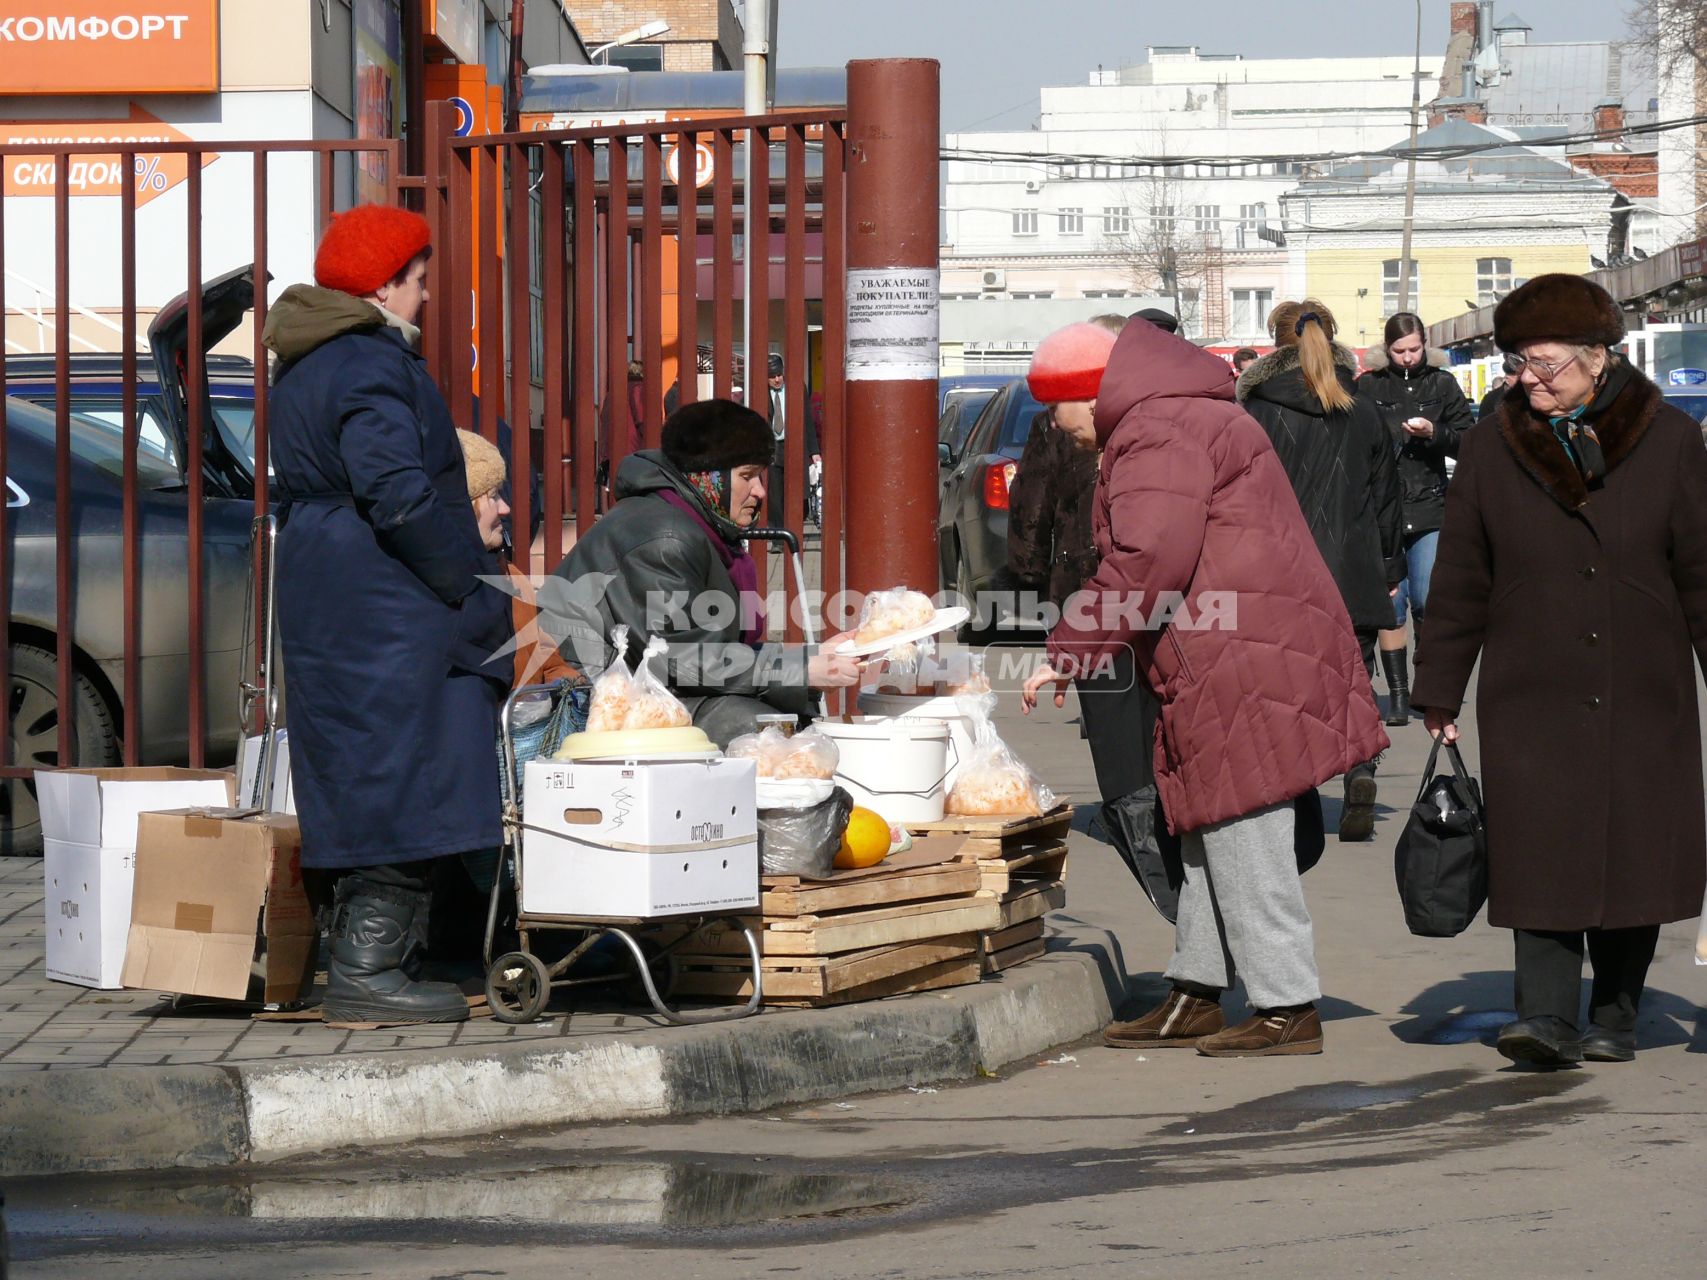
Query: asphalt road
[{"x": 1409, "y": 1147}]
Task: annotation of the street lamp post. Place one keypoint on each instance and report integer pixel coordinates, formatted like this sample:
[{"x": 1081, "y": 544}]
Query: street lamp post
[
  {"x": 1411, "y": 172},
  {"x": 647, "y": 31}
]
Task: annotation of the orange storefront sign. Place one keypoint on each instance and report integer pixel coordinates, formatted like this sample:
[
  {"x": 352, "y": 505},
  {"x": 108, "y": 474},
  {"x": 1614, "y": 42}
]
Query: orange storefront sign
[
  {"x": 109, "y": 46},
  {"x": 94, "y": 175}
]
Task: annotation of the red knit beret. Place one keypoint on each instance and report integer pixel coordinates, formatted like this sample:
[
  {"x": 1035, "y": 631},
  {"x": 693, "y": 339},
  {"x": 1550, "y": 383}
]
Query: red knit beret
[
  {"x": 367, "y": 246},
  {"x": 1068, "y": 364}
]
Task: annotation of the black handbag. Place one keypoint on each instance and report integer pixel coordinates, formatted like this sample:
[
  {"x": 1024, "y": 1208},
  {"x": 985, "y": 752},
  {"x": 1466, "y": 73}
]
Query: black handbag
[{"x": 1441, "y": 863}]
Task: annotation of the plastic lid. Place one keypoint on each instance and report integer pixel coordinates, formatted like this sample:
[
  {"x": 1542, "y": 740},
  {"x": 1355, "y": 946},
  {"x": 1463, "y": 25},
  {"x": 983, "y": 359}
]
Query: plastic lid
[{"x": 636, "y": 743}]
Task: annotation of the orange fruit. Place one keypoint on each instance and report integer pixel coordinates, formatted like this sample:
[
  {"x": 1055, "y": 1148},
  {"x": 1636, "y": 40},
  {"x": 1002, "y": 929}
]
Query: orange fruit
[{"x": 865, "y": 843}]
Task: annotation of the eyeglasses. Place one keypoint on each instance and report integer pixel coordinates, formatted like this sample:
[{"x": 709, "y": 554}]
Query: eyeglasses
[{"x": 1546, "y": 370}]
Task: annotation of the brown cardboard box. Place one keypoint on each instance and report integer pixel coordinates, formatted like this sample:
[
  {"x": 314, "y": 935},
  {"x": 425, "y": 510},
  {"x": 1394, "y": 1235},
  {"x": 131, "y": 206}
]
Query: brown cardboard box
[{"x": 219, "y": 907}]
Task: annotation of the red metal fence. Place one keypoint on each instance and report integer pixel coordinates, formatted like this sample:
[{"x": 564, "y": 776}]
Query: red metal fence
[{"x": 562, "y": 265}]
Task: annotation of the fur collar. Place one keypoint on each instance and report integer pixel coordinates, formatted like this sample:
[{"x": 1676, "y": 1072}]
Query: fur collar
[
  {"x": 1620, "y": 424},
  {"x": 1285, "y": 360},
  {"x": 1376, "y": 360}
]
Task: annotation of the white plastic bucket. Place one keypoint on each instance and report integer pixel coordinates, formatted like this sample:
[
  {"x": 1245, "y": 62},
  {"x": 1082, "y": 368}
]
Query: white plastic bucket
[
  {"x": 898, "y": 767},
  {"x": 913, "y": 707}
]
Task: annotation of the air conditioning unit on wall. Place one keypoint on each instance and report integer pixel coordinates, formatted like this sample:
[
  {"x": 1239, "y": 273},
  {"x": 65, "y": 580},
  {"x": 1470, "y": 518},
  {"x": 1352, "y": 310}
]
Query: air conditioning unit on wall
[
  {"x": 995, "y": 281},
  {"x": 1033, "y": 187}
]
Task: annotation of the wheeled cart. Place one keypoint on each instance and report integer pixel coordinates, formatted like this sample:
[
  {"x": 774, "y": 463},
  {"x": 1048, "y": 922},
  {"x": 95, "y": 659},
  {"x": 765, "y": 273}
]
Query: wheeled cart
[{"x": 519, "y": 982}]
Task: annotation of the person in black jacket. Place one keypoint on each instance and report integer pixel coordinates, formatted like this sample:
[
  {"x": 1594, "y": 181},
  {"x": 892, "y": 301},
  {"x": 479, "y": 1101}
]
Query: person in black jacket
[
  {"x": 1337, "y": 455},
  {"x": 1509, "y": 369},
  {"x": 1426, "y": 414}
]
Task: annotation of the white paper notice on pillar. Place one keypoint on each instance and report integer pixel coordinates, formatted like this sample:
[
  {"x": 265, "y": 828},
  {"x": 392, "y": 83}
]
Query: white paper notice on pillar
[{"x": 893, "y": 315}]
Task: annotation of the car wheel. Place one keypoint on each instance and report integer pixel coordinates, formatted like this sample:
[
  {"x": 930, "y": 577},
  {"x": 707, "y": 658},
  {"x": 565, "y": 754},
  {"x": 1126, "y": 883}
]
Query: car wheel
[{"x": 34, "y": 706}]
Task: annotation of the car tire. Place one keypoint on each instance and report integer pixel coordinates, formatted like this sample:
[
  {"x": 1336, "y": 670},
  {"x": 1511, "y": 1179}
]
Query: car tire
[{"x": 34, "y": 716}]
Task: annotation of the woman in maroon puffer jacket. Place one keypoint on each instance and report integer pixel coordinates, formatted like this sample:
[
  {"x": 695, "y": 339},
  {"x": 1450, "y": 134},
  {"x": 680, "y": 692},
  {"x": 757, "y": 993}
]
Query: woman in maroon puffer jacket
[{"x": 1263, "y": 692}]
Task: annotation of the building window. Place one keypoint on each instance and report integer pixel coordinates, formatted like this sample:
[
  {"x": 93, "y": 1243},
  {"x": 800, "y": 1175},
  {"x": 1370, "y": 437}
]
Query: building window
[
  {"x": 1207, "y": 217},
  {"x": 1032, "y": 293},
  {"x": 1072, "y": 221},
  {"x": 1107, "y": 293},
  {"x": 961, "y": 297},
  {"x": 1117, "y": 219},
  {"x": 1025, "y": 222},
  {"x": 1390, "y": 287},
  {"x": 1252, "y": 219},
  {"x": 636, "y": 57},
  {"x": 1493, "y": 280},
  {"x": 1250, "y": 312},
  {"x": 1162, "y": 219}
]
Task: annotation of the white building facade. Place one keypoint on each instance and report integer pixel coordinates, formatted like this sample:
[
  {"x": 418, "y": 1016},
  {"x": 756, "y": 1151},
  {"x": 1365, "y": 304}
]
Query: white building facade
[{"x": 1066, "y": 210}]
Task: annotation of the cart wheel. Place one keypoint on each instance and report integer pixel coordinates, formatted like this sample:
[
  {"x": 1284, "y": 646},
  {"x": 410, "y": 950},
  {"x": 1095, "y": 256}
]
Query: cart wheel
[{"x": 517, "y": 987}]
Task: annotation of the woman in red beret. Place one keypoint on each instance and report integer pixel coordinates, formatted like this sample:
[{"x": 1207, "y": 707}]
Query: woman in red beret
[
  {"x": 389, "y": 632},
  {"x": 1573, "y": 564}
]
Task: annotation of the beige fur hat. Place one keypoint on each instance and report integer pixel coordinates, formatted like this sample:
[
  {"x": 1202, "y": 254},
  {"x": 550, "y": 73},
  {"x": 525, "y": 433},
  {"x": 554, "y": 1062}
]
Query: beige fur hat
[{"x": 483, "y": 462}]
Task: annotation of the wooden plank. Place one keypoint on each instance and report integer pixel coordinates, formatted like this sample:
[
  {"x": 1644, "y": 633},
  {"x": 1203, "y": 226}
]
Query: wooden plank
[
  {"x": 949, "y": 973},
  {"x": 941, "y": 880},
  {"x": 1015, "y": 866},
  {"x": 1012, "y": 936},
  {"x": 927, "y": 851},
  {"x": 820, "y": 977},
  {"x": 1007, "y": 959},
  {"x": 862, "y": 930},
  {"x": 1032, "y": 904},
  {"x": 997, "y": 827}
]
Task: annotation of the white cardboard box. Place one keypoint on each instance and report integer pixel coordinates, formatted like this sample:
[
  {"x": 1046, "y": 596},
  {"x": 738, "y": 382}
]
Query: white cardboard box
[
  {"x": 640, "y": 840},
  {"x": 89, "y": 858},
  {"x": 249, "y": 763}
]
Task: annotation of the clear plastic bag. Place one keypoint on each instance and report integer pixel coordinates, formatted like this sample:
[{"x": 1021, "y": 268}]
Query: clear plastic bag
[
  {"x": 807, "y": 754},
  {"x": 965, "y": 676},
  {"x": 634, "y": 701},
  {"x": 892, "y": 612},
  {"x": 994, "y": 781}
]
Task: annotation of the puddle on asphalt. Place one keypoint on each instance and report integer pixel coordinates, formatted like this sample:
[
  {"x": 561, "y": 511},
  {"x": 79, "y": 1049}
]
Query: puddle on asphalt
[{"x": 641, "y": 1194}]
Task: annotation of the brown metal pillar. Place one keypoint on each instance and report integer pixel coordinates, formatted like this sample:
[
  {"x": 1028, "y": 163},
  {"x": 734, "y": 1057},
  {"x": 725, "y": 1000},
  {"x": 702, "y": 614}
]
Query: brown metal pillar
[{"x": 892, "y": 159}]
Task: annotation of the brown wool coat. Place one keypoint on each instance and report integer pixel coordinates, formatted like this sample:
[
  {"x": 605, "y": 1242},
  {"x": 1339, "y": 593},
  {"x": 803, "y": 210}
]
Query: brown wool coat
[{"x": 1588, "y": 610}]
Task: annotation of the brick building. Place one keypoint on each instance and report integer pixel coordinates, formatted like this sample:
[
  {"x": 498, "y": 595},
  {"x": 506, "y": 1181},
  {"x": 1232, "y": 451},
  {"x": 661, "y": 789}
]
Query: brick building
[{"x": 704, "y": 35}]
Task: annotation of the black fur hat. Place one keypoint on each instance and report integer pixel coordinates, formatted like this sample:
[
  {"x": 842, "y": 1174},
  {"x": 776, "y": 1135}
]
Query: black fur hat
[
  {"x": 1558, "y": 308},
  {"x": 717, "y": 435}
]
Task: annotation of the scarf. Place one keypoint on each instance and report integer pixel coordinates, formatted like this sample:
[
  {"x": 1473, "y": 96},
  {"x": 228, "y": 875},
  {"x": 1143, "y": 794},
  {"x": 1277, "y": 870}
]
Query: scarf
[
  {"x": 1575, "y": 430},
  {"x": 742, "y": 571}
]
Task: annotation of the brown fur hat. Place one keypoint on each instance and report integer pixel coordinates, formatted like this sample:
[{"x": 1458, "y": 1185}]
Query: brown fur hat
[{"x": 1558, "y": 308}]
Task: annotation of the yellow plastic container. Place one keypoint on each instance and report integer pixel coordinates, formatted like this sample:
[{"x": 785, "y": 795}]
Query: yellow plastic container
[{"x": 639, "y": 744}]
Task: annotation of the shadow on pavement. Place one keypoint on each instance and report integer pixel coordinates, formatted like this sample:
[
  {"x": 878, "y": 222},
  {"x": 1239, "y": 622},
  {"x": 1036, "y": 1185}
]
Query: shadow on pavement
[{"x": 1474, "y": 1006}]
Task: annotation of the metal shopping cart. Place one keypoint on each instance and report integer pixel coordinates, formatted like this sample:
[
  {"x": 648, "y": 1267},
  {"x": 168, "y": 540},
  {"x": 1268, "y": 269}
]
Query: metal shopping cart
[{"x": 519, "y": 982}]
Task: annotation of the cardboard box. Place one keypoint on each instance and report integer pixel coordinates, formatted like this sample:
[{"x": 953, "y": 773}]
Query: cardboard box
[
  {"x": 249, "y": 764},
  {"x": 219, "y": 908},
  {"x": 89, "y": 821},
  {"x": 638, "y": 840}
]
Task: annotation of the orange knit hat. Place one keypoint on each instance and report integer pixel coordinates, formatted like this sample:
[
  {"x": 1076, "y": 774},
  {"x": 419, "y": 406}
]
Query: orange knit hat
[
  {"x": 1068, "y": 364},
  {"x": 367, "y": 246}
]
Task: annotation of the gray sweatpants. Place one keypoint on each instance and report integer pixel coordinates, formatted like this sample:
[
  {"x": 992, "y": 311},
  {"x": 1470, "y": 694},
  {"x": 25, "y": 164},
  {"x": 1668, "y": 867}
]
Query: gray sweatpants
[{"x": 1241, "y": 911}]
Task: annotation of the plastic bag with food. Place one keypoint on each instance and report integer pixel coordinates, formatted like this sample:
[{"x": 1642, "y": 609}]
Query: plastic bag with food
[
  {"x": 806, "y": 755},
  {"x": 994, "y": 781},
  {"x": 892, "y": 613},
  {"x": 653, "y": 706},
  {"x": 966, "y": 676},
  {"x": 634, "y": 701}
]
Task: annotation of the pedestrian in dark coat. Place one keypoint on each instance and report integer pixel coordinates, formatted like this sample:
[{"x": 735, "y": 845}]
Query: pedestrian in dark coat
[
  {"x": 1340, "y": 462},
  {"x": 1194, "y": 508},
  {"x": 1425, "y": 413},
  {"x": 669, "y": 560},
  {"x": 389, "y": 634},
  {"x": 1573, "y": 564}
]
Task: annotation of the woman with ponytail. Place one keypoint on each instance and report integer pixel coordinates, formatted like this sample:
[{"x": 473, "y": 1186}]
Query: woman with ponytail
[{"x": 1341, "y": 464}]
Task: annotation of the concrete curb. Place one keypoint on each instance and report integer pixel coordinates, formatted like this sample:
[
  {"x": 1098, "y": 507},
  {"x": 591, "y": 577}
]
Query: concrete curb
[{"x": 105, "y": 1119}]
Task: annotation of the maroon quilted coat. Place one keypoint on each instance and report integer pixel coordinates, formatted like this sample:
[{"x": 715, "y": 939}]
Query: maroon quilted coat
[{"x": 1192, "y": 499}]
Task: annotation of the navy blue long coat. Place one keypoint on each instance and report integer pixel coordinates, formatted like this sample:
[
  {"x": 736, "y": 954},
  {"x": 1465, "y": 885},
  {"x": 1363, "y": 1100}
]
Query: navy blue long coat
[{"x": 385, "y": 625}]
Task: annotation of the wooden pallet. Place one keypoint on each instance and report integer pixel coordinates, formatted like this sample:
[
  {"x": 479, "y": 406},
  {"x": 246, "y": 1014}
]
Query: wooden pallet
[
  {"x": 1014, "y": 945},
  {"x": 1032, "y": 902},
  {"x": 988, "y": 837},
  {"x": 930, "y": 869},
  {"x": 832, "y": 934},
  {"x": 817, "y": 980}
]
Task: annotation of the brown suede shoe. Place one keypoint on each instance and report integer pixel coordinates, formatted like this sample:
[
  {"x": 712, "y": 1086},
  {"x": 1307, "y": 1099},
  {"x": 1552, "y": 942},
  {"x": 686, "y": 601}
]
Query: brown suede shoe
[
  {"x": 1178, "y": 1022},
  {"x": 1263, "y": 1035}
]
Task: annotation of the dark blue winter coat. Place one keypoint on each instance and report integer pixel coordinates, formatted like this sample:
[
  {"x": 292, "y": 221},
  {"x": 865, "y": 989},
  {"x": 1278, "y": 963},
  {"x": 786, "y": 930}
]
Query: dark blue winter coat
[{"x": 386, "y": 627}]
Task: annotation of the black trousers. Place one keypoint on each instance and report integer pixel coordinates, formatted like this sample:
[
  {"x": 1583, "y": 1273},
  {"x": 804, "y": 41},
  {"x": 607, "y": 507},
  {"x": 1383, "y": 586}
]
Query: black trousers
[
  {"x": 1118, "y": 716},
  {"x": 1550, "y": 971}
]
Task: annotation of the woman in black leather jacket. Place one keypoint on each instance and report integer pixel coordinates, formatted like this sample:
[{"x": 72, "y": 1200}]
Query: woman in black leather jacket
[{"x": 1425, "y": 413}]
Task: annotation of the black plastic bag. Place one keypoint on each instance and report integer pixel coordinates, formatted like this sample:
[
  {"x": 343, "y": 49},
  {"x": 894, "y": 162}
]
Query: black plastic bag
[
  {"x": 804, "y": 842},
  {"x": 1441, "y": 862}
]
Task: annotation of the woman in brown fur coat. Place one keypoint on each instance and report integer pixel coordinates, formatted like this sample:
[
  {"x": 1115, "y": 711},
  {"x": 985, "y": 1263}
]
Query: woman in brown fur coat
[{"x": 1573, "y": 561}]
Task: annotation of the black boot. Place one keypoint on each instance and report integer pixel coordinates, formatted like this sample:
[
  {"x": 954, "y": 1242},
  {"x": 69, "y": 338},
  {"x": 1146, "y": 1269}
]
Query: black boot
[
  {"x": 1357, "y": 819},
  {"x": 374, "y": 946},
  {"x": 1398, "y": 686}
]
